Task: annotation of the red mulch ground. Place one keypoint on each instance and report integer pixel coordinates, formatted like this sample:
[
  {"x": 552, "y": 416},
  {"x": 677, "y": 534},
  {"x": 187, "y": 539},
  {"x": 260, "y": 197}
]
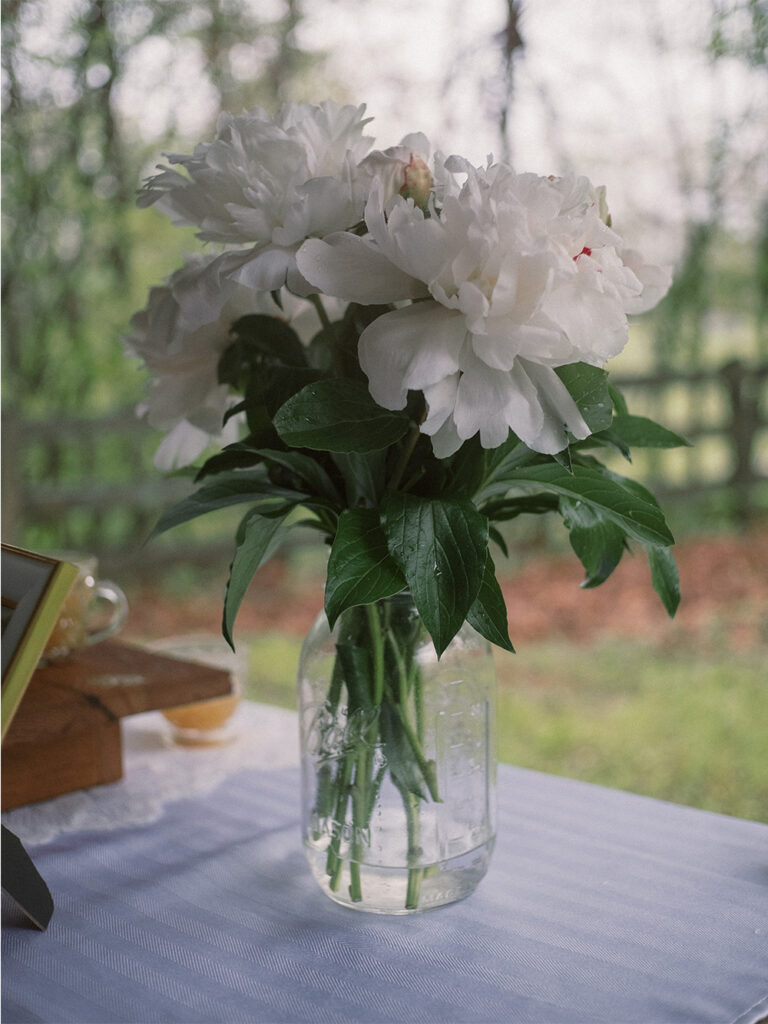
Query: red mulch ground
[{"x": 724, "y": 581}]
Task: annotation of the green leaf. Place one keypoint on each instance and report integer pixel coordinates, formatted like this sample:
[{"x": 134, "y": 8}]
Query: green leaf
[
  {"x": 488, "y": 612},
  {"x": 441, "y": 546},
  {"x": 619, "y": 402},
  {"x": 230, "y": 366},
  {"x": 226, "y": 489},
  {"x": 364, "y": 476},
  {"x": 598, "y": 542},
  {"x": 467, "y": 470},
  {"x": 563, "y": 458},
  {"x": 233, "y": 410},
  {"x": 634, "y": 486},
  {"x": 358, "y": 674},
  {"x": 261, "y": 433},
  {"x": 606, "y": 439},
  {"x": 664, "y": 577},
  {"x": 338, "y": 416},
  {"x": 272, "y": 388},
  {"x": 320, "y": 348},
  {"x": 500, "y": 463},
  {"x": 621, "y": 501},
  {"x": 356, "y": 318},
  {"x": 270, "y": 336},
  {"x": 235, "y": 456},
  {"x": 588, "y": 387},
  {"x": 640, "y": 432},
  {"x": 360, "y": 567},
  {"x": 258, "y": 538},
  {"x": 306, "y": 468},
  {"x": 529, "y": 504},
  {"x": 497, "y": 537}
]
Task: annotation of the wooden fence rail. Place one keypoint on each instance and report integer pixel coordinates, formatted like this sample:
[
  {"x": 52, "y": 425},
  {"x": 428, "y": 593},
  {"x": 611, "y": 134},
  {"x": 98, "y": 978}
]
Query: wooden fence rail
[
  {"x": 724, "y": 414},
  {"x": 84, "y": 483}
]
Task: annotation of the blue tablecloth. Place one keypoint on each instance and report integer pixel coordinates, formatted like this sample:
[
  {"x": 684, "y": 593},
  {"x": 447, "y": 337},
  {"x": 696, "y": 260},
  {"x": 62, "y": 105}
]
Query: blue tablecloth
[{"x": 600, "y": 906}]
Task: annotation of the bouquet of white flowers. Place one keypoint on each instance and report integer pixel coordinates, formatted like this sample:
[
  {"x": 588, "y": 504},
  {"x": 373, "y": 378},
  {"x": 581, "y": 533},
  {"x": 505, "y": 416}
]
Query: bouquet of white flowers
[{"x": 410, "y": 351}]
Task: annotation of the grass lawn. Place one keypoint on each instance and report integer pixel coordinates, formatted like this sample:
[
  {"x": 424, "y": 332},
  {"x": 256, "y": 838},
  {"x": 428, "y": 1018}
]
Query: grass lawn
[
  {"x": 669, "y": 725},
  {"x": 675, "y": 725}
]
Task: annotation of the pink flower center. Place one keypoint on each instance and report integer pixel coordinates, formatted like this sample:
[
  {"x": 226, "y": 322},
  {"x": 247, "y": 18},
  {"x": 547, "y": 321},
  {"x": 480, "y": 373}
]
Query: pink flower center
[{"x": 586, "y": 251}]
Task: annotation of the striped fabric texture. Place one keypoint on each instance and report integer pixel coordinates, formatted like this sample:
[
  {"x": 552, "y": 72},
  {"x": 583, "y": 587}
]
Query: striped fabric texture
[{"x": 600, "y": 906}]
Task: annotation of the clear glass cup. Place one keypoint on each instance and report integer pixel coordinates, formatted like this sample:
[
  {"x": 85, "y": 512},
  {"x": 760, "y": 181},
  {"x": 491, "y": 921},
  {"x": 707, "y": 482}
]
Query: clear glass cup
[
  {"x": 93, "y": 610},
  {"x": 206, "y": 722}
]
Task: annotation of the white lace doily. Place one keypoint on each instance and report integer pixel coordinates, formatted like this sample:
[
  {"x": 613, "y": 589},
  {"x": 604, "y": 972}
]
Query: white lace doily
[{"x": 157, "y": 772}]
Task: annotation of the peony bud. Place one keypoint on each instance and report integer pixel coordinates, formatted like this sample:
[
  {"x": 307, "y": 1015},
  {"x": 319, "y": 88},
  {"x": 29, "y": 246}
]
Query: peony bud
[
  {"x": 417, "y": 182},
  {"x": 401, "y": 170}
]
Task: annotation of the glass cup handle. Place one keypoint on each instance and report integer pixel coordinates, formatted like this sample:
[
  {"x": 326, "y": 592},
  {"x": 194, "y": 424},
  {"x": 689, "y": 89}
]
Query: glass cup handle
[{"x": 106, "y": 590}]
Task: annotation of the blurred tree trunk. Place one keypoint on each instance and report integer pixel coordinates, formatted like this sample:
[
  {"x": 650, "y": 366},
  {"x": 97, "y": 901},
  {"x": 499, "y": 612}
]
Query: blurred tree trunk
[{"x": 511, "y": 46}]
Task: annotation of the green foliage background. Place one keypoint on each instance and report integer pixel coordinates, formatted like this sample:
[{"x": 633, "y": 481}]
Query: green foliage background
[{"x": 78, "y": 257}]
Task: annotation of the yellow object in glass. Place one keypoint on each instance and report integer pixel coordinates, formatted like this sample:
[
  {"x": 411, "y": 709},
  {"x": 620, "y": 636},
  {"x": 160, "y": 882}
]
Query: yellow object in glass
[
  {"x": 204, "y": 715},
  {"x": 205, "y": 722}
]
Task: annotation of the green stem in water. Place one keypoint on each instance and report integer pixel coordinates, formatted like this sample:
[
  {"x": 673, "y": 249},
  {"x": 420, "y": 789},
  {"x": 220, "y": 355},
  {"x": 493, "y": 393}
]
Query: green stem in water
[
  {"x": 334, "y": 862},
  {"x": 359, "y": 804},
  {"x": 373, "y": 793},
  {"x": 325, "y": 792},
  {"x": 357, "y": 782},
  {"x": 426, "y": 767},
  {"x": 415, "y": 874},
  {"x": 363, "y": 794},
  {"x": 402, "y": 674},
  {"x": 409, "y": 681}
]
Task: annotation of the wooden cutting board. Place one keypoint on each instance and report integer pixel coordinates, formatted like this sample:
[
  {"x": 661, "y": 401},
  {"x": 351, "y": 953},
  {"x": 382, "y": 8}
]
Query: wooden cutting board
[{"x": 66, "y": 735}]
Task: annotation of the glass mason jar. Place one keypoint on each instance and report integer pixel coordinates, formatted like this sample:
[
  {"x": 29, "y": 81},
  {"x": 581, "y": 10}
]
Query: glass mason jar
[{"x": 398, "y": 759}]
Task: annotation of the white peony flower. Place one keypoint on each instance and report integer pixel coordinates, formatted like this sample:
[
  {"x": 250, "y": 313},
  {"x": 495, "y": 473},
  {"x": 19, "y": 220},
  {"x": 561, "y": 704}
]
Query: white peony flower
[
  {"x": 518, "y": 274},
  {"x": 268, "y": 183},
  {"x": 185, "y": 398}
]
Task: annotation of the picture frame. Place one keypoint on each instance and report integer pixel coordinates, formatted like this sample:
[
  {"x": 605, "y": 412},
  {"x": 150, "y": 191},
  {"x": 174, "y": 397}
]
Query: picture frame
[{"x": 34, "y": 587}]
